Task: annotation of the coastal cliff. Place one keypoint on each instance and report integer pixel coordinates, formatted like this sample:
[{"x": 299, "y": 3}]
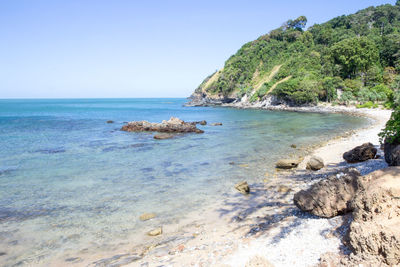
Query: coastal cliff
[{"x": 349, "y": 59}]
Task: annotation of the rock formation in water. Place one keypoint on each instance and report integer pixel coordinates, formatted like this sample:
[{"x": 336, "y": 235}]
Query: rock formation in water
[{"x": 173, "y": 125}]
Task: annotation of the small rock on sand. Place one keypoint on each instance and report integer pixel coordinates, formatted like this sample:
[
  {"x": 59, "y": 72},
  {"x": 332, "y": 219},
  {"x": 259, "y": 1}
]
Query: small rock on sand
[
  {"x": 283, "y": 189},
  {"x": 243, "y": 187},
  {"x": 155, "y": 232},
  {"x": 315, "y": 163},
  {"x": 147, "y": 216},
  {"x": 287, "y": 163}
]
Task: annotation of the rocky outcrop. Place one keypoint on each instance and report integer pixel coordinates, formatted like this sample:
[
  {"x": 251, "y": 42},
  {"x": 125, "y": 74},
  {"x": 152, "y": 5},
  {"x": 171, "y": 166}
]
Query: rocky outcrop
[
  {"x": 392, "y": 153},
  {"x": 204, "y": 99},
  {"x": 243, "y": 187},
  {"x": 360, "y": 153},
  {"x": 375, "y": 232},
  {"x": 173, "y": 125},
  {"x": 315, "y": 163},
  {"x": 216, "y": 124},
  {"x": 287, "y": 163},
  {"x": 329, "y": 197}
]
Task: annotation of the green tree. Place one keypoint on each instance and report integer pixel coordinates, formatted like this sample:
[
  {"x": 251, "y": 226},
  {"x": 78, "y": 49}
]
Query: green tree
[
  {"x": 297, "y": 24},
  {"x": 355, "y": 55}
]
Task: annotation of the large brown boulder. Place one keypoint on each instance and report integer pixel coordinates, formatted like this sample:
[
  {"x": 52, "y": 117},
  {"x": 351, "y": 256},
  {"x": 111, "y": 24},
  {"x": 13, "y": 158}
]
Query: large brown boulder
[
  {"x": 392, "y": 153},
  {"x": 360, "y": 153},
  {"x": 329, "y": 197},
  {"x": 375, "y": 230},
  {"x": 173, "y": 125}
]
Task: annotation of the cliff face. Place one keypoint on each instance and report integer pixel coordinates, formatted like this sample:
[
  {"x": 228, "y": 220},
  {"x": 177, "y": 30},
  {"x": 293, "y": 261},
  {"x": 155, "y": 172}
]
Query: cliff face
[{"x": 347, "y": 59}]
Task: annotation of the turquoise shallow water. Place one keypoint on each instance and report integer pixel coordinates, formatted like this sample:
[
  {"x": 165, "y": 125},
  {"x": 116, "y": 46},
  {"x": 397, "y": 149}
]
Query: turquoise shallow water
[{"x": 71, "y": 182}]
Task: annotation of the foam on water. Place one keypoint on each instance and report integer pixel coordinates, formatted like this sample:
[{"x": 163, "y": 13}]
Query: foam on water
[{"x": 70, "y": 182}]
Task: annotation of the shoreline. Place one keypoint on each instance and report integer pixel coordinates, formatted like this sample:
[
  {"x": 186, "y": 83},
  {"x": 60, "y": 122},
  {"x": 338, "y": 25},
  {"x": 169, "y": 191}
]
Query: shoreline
[
  {"x": 242, "y": 237},
  {"x": 265, "y": 226}
]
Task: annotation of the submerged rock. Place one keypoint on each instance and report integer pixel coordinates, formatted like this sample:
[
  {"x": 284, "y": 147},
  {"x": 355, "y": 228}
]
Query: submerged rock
[
  {"x": 329, "y": 197},
  {"x": 147, "y": 216},
  {"x": 203, "y": 122},
  {"x": 155, "y": 232},
  {"x": 315, "y": 163},
  {"x": 392, "y": 153},
  {"x": 287, "y": 163},
  {"x": 375, "y": 230},
  {"x": 360, "y": 153},
  {"x": 173, "y": 125},
  {"x": 110, "y": 121},
  {"x": 163, "y": 136},
  {"x": 243, "y": 187}
]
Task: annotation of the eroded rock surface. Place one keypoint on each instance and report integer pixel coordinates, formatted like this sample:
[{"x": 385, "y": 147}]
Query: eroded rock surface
[
  {"x": 392, "y": 153},
  {"x": 329, "y": 197},
  {"x": 375, "y": 230},
  {"x": 360, "y": 153},
  {"x": 173, "y": 125}
]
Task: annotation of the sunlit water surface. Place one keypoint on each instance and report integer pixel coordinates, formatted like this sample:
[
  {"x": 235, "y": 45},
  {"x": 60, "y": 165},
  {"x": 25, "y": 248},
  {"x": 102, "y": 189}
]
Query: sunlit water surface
[{"x": 70, "y": 182}]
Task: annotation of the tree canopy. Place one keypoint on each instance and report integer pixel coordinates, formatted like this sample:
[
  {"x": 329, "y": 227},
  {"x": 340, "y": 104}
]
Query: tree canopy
[{"x": 342, "y": 60}]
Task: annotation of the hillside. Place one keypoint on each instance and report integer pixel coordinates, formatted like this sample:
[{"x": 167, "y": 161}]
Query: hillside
[{"x": 349, "y": 59}]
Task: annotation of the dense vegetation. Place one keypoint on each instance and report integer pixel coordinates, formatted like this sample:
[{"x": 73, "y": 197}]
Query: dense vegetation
[
  {"x": 391, "y": 133},
  {"x": 349, "y": 59}
]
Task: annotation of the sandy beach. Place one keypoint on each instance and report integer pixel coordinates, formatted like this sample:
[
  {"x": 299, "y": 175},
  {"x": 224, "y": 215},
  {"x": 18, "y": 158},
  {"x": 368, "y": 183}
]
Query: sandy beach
[{"x": 264, "y": 227}]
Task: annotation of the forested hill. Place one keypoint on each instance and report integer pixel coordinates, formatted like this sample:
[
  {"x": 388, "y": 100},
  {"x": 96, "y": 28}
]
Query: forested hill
[{"x": 349, "y": 59}]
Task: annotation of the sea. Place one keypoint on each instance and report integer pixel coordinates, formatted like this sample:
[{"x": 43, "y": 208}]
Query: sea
[{"x": 71, "y": 183}]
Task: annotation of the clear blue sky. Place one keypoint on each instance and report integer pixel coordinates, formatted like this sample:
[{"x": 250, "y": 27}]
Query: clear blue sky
[{"x": 122, "y": 48}]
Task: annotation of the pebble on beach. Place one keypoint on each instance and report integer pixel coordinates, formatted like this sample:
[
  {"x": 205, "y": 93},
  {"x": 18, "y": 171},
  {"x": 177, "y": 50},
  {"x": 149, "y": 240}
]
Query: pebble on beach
[
  {"x": 155, "y": 232},
  {"x": 147, "y": 216}
]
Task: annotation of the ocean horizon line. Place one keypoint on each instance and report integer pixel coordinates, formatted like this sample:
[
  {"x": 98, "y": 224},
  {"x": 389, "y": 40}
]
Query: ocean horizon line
[{"x": 90, "y": 98}]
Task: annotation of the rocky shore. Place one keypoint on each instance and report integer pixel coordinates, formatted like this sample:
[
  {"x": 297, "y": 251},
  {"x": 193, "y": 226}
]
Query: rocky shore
[{"x": 262, "y": 226}]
